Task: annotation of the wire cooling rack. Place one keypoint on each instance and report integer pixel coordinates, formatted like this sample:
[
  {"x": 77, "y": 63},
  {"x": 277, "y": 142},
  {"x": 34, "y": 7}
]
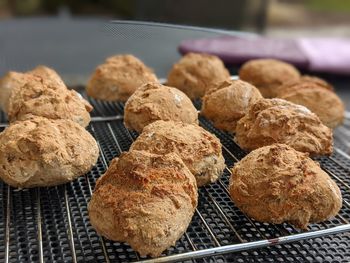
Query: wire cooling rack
[{"x": 51, "y": 224}]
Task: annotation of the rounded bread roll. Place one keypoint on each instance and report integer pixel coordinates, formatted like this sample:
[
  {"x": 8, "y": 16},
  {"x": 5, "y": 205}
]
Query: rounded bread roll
[
  {"x": 42, "y": 152},
  {"x": 278, "y": 184},
  {"x": 153, "y": 102},
  {"x": 199, "y": 149},
  {"x": 144, "y": 199}
]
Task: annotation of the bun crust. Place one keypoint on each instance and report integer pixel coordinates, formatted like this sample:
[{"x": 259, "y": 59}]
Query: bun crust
[
  {"x": 272, "y": 121},
  {"x": 42, "y": 152},
  {"x": 144, "y": 199},
  {"x": 278, "y": 184},
  {"x": 118, "y": 78},
  {"x": 236, "y": 95},
  {"x": 195, "y": 73},
  {"x": 153, "y": 102},
  {"x": 268, "y": 74},
  {"x": 199, "y": 149}
]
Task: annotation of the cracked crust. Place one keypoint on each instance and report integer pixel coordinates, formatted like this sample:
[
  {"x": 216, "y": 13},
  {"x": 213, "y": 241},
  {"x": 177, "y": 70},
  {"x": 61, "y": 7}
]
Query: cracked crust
[
  {"x": 118, "y": 78},
  {"x": 278, "y": 184},
  {"x": 42, "y": 152},
  {"x": 316, "y": 96},
  {"x": 236, "y": 95},
  {"x": 278, "y": 121},
  {"x": 41, "y": 96},
  {"x": 199, "y": 149},
  {"x": 153, "y": 102},
  {"x": 195, "y": 73},
  {"x": 268, "y": 74},
  {"x": 144, "y": 199}
]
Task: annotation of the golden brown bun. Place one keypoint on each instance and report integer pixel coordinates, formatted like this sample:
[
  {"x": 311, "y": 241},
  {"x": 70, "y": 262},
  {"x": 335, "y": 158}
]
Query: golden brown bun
[
  {"x": 43, "y": 152},
  {"x": 144, "y": 199},
  {"x": 199, "y": 149},
  {"x": 227, "y": 102},
  {"x": 42, "y": 97},
  {"x": 268, "y": 74},
  {"x": 153, "y": 102},
  {"x": 118, "y": 78},
  {"x": 8, "y": 82},
  {"x": 195, "y": 73},
  {"x": 278, "y": 121},
  {"x": 278, "y": 184},
  {"x": 48, "y": 74},
  {"x": 316, "y": 96}
]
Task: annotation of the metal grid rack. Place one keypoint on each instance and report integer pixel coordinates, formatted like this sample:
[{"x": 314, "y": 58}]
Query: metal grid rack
[{"x": 51, "y": 224}]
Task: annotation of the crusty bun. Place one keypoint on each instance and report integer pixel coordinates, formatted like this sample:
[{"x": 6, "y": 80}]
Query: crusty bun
[
  {"x": 278, "y": 184},
  {"x": 118, "y": 78},
  {"x": 48, "y": 74},
  {"x": 153, "y": 102},
  {"x": 317, "y": 97},
  {"x": 40, "y": 96},
  {"x": 144, "y": 199},
  {"x": 268, "y": 74},
  {"x": 278, "y": 121},
  {"x": 8, "y": 82},
  {"x": 195, "y": 73},
  {"x": 43, "y": 152},
  {"x": 227, "y": 102},
  {"x": 199, "y": 149}
]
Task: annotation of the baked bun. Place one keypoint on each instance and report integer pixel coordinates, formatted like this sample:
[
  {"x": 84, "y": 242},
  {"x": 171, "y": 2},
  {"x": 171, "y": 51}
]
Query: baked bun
[
  {"x": 48, "y": 74},
  {"x": 320, "y": 99},
  {"x": 278, "y": 184},
  {"x": 236, "y": 96},
  {"x": 8, "y": 82},
  {"x": 43, "y": 97},
  {"x": 268, "y": 74},
  {"x": 195, "y": 73},
  {"x": 43, "y": 152},
  {"x": 144, "y": 199},
  {"x": 199, "y": 149},
  {"x": 118, "y": 78},
  {"x": 278, "y": 121},
  {"x": 153, "y": 102}
]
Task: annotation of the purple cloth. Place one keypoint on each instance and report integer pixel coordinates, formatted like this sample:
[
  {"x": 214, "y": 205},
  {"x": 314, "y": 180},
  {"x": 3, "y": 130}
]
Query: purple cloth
[{"x": 315, "y": 54}]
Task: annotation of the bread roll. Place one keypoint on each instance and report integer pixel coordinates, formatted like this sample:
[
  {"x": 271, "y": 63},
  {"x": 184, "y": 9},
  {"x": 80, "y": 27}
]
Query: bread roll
[
  {"x": 316, "y": 96},
  {"x": 43, "y": 97},
  {"x": 278, "y": 121},
  {"x": 153, "y": 102},
  {"x": 227, "y": 102},
  {"x": 118, "y": 78},
  {"x": 8, "y": 82},
  {"x": 144, "y": 199},
  {"x": 43, "y": 152},
  {"x": 195, "y": 73},
  {"x": 278, "y": 184},
  {"x": 268, "y": 74},
  {"x": 199, "y": 149}
]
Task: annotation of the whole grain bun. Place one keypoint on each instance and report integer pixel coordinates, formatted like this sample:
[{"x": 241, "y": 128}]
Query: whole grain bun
[
  {"x": 278, "y": 121},
  {"x": 118, "y": 78},
  {"x": 199, "y": 149},
  {"x": 317, "y": 97},
  {"x": 40, "y": 96},
  {"x": 144, "y": 199},
  {"x": 48, "y": 74},
  {"x": 8, "y": 82},
  {"x": 227, "y": 102},
  {"x": 278, "y": 184},
  {"x": 153, "y": 102},
  {"x": 43, "y": 152},
  {"x": 195, "y": 73},
  {"x": 268, "y": 74}
]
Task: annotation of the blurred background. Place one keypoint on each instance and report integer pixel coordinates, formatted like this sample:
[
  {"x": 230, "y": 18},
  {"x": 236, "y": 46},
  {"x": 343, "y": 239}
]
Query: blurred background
[{"x": 73, "y": 36}]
